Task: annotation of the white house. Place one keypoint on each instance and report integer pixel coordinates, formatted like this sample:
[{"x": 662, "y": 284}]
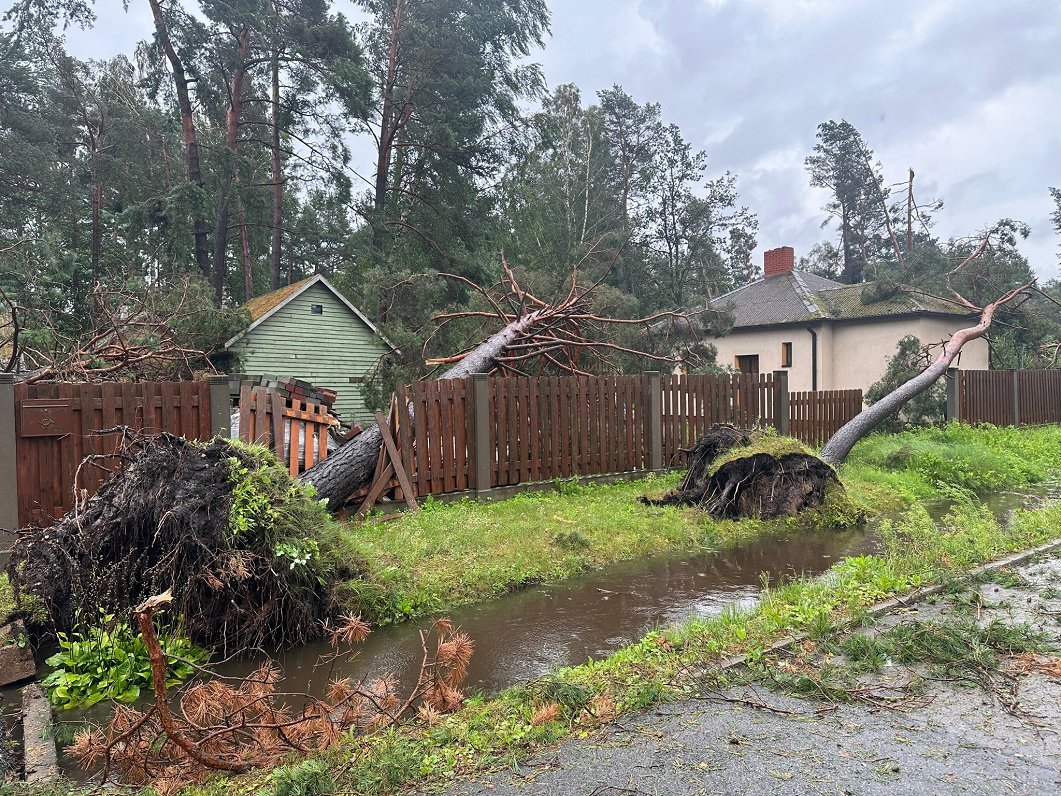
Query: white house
[{"x": 824, "y": 333}]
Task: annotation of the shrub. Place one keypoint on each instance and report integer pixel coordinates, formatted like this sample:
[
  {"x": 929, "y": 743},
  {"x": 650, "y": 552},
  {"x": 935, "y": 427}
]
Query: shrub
[
  {"x": 909, "y": 360},
  {"x": 111, "y": 662}
]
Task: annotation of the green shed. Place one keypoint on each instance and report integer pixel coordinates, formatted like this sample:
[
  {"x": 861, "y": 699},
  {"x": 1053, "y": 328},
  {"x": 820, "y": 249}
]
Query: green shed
[{"x": 308, "y": 330}]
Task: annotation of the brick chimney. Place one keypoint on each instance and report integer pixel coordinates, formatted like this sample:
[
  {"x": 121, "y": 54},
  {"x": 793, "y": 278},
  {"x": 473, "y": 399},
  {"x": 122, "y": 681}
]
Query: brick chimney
[{"x": 779, "y": 261}]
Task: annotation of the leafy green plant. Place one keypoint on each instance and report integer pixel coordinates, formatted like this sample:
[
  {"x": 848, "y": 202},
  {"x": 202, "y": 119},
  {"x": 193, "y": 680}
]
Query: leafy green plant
[
  {"x": 111, "y": 662},
  {"x": 252, "y": 510}
]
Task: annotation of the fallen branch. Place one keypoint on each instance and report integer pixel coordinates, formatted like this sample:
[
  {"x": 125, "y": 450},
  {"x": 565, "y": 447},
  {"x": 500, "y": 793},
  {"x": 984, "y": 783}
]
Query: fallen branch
[{"x": 222, "y": 724}]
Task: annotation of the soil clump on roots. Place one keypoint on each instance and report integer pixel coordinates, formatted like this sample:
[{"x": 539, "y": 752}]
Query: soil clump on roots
[
  {"x": 760, "y": 485},
  {"x": 247, "y": 577}
]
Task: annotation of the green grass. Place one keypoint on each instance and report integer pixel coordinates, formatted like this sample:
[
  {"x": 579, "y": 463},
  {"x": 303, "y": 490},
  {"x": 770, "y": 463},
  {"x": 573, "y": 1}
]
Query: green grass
[
  {"x": 451, "y": 554},
  {"x": 979, "y": 459},
  {"x": 476, "y": 550},
  {"x": 490, "y": 733}
]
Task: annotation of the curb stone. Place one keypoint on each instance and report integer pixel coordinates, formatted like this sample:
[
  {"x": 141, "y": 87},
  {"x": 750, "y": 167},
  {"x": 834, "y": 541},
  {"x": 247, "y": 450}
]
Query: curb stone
[{"x": 39, "y": 745}]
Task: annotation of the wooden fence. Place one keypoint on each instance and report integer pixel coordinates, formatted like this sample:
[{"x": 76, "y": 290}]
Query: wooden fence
[
  {"x": 492, "y": 435},
  {"x": 692, "y": 404},
  {"x": 60, "y": 440},
  {"x": 53, "y": 440},
  {"x": 1004, "y": 397},
  {"x": 481, "y": 433},
  {"x": 816, "y": 416}
]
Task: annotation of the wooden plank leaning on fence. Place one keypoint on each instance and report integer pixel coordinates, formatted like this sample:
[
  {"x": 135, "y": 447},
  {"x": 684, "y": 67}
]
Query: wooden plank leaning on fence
[{"x": 388, "y": 467}]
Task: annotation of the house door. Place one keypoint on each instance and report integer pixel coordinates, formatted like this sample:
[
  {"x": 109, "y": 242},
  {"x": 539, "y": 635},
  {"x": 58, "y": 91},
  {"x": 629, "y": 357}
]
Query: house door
[{"x": 748, "y": 363}]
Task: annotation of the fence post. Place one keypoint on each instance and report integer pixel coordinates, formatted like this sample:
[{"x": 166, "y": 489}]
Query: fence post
[
  {"x": 655, "y": 421},
  {"x": 9, "y": 460},
  {"x": 781, "y": 410},
  {"x": 482, "y": 458},
  {"x": 952, "y": 394},
  {"x": 220, "y": 406},
  {"x": 1015, "y": 396}
]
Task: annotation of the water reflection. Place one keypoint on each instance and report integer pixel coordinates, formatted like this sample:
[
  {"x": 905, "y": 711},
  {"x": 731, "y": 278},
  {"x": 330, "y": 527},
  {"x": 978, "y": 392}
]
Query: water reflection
[{"x": 533, "y": 632}]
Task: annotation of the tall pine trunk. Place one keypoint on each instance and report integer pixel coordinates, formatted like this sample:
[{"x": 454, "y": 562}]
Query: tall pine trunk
[
  {"x": 277, "y": 241},
  {"x": 388, "y": 129},
  {"x": 232, "y": 122},
  {"x": 191, "y": 141}
]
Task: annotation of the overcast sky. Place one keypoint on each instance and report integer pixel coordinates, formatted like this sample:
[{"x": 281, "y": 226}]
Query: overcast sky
[{"x": 967, "y": 92}]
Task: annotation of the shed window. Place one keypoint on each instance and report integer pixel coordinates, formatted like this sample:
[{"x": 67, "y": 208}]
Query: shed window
[
  {"x": 786, "y": 355},
  {"x": 316, "y": 309}
]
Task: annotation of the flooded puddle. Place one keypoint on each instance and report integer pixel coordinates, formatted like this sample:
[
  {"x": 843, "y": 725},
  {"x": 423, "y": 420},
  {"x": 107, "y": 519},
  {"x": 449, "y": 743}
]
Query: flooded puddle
[{"x": 533, "y": 632}]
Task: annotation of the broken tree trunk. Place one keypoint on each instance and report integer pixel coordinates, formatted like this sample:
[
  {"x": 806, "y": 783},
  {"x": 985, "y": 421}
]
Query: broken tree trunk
[
  {"x": 350, "y": 468},
  {"x": 558, "y": 334}
]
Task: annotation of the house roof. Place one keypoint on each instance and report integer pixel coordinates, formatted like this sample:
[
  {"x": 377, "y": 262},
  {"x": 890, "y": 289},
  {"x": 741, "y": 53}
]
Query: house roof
[
  {"x": 261, "y": 308},
  {"x": 800, "y": 297}
]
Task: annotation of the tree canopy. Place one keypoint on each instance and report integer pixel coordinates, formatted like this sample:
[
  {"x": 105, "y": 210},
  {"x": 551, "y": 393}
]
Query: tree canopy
[{"x": 218, "y": 156}]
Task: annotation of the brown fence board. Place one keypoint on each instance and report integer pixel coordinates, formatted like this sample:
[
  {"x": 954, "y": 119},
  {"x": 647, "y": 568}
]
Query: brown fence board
[
  {"x": 987, "y": 396},
  {"x": 50, "y": 469},
  {"x": 816, "y": 416}
]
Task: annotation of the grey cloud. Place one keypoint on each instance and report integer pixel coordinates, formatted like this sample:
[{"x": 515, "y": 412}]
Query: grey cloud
[
  {"x": 903, "y": 72},
  {"x": 965, "y": 91}
]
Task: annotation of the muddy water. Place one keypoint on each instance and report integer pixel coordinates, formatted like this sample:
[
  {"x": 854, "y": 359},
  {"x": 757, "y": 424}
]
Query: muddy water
[{"x": 535, "y": 631}]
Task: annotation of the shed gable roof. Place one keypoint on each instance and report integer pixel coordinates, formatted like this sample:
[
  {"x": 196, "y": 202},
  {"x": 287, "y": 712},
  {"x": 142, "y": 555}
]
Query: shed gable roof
[
  {"x": 262, "y": 308},
  {"x": 800, "y": 297}
]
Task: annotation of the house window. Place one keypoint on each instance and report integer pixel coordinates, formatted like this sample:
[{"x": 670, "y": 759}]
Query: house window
[
  {"x": 747, "y": 363},
  {"x": 786, "y": 355},
  {"x": 316, "y": 309}
]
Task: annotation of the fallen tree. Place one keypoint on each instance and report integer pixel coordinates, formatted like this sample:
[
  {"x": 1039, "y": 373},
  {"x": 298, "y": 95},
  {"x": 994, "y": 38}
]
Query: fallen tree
[
  {"x": 248, "y": 555},
  {"x": 733, "y": 474},
  {"x": 840, "y": 444},
  {"x": 764, "y": 486},
  {"x": 564, "y": 334},
  {"x": 161, "y": 331}
]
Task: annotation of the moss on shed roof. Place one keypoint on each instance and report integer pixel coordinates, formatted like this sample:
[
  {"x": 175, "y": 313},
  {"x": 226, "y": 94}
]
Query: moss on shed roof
[
  {"x": 855, "y": 301},
  {"x": 262, "y": 305}
]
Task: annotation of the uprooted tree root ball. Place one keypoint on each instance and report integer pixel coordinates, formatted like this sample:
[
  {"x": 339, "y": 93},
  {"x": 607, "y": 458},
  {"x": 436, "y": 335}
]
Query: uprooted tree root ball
[
  {"x": 760, "y": 485},
  {"x": 247, "y": 552}
]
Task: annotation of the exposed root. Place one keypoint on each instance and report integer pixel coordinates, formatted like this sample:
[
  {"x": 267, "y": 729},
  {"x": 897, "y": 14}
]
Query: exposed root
[
  {"x": 718, "y": 440},
  {"x": 163, "y": 523},
  {"x": 760, "y": 486}
]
